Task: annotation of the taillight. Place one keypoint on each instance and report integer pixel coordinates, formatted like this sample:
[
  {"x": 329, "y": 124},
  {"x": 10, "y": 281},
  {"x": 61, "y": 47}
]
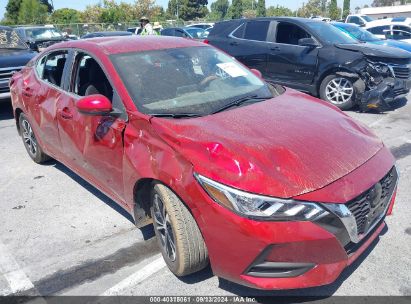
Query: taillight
[{"x": 206, "y": 41}]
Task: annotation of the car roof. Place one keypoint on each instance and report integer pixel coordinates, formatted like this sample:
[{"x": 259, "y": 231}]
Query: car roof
[
  {"x": 34, "y": 27},
  {"x": 127, "y": 44}
]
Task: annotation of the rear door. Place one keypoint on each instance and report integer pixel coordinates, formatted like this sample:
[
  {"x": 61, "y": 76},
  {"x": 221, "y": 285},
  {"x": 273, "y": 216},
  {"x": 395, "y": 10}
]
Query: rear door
[
  {"x": 93, "y": 144},
  {"x": 42, "y": 92},
  {"x": 288, "y": 62}
]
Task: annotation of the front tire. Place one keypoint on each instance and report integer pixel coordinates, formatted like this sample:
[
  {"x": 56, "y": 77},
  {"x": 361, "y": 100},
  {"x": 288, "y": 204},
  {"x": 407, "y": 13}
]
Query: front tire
[
  {"x": 30, "y": 142},
  {"x": 338, "y": 90},
  {"x": 179, "y": 237}
]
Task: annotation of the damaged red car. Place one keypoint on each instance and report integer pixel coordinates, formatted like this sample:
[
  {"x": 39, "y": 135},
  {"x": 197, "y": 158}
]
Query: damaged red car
[{"x": 274, "y": 188}]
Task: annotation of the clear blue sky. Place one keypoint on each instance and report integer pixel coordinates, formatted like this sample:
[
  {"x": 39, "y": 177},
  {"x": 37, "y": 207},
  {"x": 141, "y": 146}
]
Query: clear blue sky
[{"x": 81, "y": 4}]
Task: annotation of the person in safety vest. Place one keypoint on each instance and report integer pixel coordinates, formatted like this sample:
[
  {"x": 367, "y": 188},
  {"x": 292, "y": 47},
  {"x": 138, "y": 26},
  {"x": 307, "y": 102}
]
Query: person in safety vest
[{"x": 146, "y": 27}]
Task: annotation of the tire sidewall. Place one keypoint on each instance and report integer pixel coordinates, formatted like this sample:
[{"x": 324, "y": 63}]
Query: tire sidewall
[
  {"x": 37, "y": 156},
  {"x": 342, "y": 106},
  {"x": 173, "y": 265}
]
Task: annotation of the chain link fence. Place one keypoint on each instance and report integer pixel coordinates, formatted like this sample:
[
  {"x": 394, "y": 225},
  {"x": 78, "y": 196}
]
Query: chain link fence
[{"x": 80, "y": 29}]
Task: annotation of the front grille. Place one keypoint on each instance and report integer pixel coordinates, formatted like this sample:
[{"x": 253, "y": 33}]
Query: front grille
[
  {"x": 402, "y": 72},
  {"x": 399, "y": 92},
  {"x": 6, "y": 73},
  {"x": 365, "y": 209}
]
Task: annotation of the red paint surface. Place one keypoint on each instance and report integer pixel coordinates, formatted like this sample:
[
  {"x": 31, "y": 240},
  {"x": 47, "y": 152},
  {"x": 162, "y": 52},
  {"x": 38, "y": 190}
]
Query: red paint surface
[{"x": 290, "y": 146}]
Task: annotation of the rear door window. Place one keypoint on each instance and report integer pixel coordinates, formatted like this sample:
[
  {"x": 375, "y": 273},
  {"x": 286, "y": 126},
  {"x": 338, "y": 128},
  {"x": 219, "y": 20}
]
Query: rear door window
[
  {"x": 288, "y": 33},
  {"x": 53, "y": 67},
  {"x": 239, "y": 32},
  {"x": 256, "y": 30},
  {"x": 379, "y": 30}
]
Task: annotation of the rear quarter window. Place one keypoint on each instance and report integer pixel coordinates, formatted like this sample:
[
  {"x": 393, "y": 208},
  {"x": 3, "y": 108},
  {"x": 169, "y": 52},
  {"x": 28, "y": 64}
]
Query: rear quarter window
[{"x": 256, "y": 30}]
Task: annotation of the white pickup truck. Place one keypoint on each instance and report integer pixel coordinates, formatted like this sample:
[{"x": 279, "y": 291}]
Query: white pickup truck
[{"x": 360, "y": 20}]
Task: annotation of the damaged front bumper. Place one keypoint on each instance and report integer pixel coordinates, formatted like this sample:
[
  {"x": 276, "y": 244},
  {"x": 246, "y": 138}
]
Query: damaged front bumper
[{"x": 376, "y": 86}]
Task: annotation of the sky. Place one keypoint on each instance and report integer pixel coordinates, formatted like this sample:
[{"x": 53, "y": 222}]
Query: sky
[{"x": 81, "y": 4}]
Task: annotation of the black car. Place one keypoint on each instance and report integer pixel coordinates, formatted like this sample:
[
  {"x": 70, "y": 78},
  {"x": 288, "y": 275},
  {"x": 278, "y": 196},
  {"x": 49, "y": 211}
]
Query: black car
[
  {"x": 315, "y": 57},
  {"x": 106, "y": 34},
  {"x": 14, "y": 55},
  {"x": 39, "y": 37}
]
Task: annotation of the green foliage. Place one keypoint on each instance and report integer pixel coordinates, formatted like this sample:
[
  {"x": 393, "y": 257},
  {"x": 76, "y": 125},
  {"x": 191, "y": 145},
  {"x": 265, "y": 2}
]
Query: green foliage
[
  {"x": 65, "y": 16},
  {"x": 187, "y": 9},
  {"x": 311, "y": 8},
  {"x": 236, "y": 9},
  {"x": 219, "y": 10},
  {"x": 334, "y": 12},
  {"x": 12, "y": 11},
  {"x": 32, "y": 12},
  {"x": 261, "y": 11},
  {"x": 274, "y": 11},
  {"x": 346, "y": 8},
  {"x": 50, "y": 7}
]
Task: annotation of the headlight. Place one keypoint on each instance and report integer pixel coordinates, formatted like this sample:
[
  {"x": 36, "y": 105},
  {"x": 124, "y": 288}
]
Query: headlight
[{"x": 260, "y": 207}]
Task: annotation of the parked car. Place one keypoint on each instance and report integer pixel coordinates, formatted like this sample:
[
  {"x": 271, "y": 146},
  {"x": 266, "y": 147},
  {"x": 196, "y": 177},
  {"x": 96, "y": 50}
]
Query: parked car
[
  {"x": 363, "y": 35},
  {"x": 188, "y": 32},
  {"x": 315, "y": 57},
  {"x": 106, "y": 34},
  {"x": 392, "y": 28},
  {"x": 275, "y": 188},
  {"x": 39, "y": 37},
  {"x": 360, "y": 20},
  {"x": 14, "y": 55}
]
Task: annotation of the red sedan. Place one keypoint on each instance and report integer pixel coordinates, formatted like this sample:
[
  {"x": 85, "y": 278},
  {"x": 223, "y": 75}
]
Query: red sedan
[{"x": 274, "y": 188}]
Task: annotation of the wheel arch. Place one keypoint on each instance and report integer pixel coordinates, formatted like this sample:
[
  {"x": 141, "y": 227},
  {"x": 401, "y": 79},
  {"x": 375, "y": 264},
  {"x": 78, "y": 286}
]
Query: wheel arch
[
  {"x": 329, "y": 71},
  {"x": 17, "y": 113}
]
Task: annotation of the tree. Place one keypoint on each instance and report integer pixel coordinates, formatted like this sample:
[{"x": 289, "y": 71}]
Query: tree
[
  {"x": 65, "y": 16},
  {"x": 346, "y": 8},
  {"x": 323, "y": 7},
  {"x": 12, "y": 11},
  {"x": 32, "y": 12},
  {"x": 219, "y": 9},
  {"x": 377, "y": 3},
  {"x": 187, "y": 9},
  {"x": 92, "y": 13},
  {"x": 261, "y": 11},
  {"x": 333, "y": 11},
  {"x": 312, "y": 8},
  {"x": 172, "y": 9},
  {"x": 50, "y": 7},
  {"x": 279, "y": 11},
  {"x": 236, "y": 9}
]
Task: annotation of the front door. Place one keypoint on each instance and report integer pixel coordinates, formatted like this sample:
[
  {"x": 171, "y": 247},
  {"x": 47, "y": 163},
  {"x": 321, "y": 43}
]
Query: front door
[
  {"x": 289, "y": 62},
  {"x": 93, "y": 144}
]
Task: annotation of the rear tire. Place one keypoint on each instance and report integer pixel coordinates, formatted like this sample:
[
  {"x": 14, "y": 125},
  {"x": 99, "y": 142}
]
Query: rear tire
[
  {"x": 338, "y": 90},
  {"x": 30, "y": 142},
  {"x": 178, "y": 235}
]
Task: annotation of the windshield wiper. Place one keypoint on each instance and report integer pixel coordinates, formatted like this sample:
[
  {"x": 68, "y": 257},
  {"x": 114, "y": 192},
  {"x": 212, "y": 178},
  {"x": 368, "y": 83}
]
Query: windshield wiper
[
  {"x": 175, "y": 115},
  {"x": 239, "y": 101}
]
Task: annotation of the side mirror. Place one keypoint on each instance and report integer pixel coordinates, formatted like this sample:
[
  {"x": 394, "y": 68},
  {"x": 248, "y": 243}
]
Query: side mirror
[
  {"x": 257, "y": 73},
  {"x": 310, "y": 42},
  {"x": 94, "y": 105}
]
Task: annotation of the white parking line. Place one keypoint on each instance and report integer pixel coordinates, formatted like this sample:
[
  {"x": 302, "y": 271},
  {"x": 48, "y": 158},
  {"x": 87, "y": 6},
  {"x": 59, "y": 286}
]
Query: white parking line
[
  {"x": 136, "y": 278},
  {"x": 11, "y": 271}
]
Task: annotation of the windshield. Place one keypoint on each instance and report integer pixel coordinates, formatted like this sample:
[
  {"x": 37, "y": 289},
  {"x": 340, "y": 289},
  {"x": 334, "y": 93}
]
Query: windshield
[
  {"x": 196, "y": 32},
  {"x": 43, "y": 33},
  {"x": 329, "y": 34},
  {"x": 367, "y": 18},
  {"x": 358, "y": 33},
  {"x": 195, "y": 80}
]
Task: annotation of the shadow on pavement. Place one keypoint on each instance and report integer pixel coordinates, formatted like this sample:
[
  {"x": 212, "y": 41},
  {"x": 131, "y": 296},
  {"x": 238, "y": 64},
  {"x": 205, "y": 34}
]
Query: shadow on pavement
[
  {"x": 6, "y": 110},
  {"x": 307, "y": 294}
]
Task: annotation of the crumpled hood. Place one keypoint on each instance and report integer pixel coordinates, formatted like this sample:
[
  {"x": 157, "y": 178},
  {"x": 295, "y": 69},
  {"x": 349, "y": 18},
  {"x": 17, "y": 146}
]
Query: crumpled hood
[
  {"x": 376, "y": 50},
  {"x": 283, "y": 147}
]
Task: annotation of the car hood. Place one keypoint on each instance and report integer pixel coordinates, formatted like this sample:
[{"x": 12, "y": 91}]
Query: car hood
[
  {"x": 393, "y": 43},
  {"x": 283, "y": 147},
  {"x": 15, "y": 58},
  {"x": 376, "y": 50}
]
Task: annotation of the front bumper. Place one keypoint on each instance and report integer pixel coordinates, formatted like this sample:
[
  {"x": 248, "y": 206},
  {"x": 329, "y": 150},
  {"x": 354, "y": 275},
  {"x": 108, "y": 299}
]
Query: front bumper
[
  {"x": 287, "y": 255},
  {"x": 381, "y": 95}
]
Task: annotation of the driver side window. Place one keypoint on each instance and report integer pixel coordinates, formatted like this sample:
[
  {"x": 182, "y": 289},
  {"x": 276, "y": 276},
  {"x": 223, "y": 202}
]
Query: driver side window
[
  {"x": 88, "y": 78},
  {"x": 288, "y": 33}
]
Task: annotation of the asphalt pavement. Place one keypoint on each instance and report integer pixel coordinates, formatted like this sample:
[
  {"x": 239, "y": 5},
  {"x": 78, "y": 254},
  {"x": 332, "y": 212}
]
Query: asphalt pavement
[{"x": 61, "y": 236}]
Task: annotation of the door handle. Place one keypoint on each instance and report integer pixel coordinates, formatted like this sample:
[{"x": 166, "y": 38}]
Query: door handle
[
  {"x": 274, "y": 48},
  {"x": 65, "y": 113},
  {"x": 234, "y": 43}
]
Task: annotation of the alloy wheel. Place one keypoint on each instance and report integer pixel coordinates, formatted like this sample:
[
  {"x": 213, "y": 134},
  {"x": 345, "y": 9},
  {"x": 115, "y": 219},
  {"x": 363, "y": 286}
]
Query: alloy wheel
[
  {"x": 339, "y": 90},
  {"x": 163, "y": 226},
  {"x": 29, "y": 138}
]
